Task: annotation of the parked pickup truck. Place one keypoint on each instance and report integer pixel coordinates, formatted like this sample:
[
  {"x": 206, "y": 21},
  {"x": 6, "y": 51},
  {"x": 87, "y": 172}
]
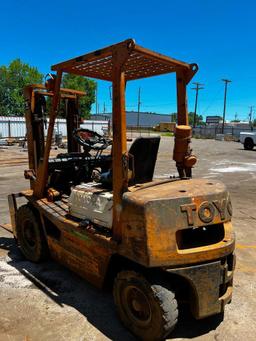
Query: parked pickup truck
[{"x": 248, "y": 139}]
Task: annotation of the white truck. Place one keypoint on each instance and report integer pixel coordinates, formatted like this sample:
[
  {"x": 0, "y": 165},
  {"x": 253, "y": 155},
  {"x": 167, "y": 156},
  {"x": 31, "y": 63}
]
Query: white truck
[{"x": 248, "y": 139}]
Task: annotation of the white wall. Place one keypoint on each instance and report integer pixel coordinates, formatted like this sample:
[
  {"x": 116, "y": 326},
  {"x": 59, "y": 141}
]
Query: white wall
[{"x": 17, "y": 126}]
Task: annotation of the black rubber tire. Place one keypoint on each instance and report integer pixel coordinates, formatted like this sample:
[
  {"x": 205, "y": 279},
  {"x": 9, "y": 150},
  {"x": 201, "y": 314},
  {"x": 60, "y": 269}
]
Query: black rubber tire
[
  {"x": 30, "y": 236},
  {"x": 248, "y": 144},
  {"x": 161, "y": 302}
]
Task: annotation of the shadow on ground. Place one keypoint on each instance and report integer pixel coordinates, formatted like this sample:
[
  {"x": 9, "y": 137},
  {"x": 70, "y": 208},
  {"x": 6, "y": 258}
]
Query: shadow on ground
[
  {"x": 247, "y": 150},
  {"x": 66, "y": 288}
]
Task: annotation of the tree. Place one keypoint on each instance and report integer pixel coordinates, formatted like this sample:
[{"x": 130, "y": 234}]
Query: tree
[
  {"x": 13, "y": 78},
  {"x": 174, "y": 117},
  {"x": 83, "y": 84},
  {"x": 199, "y": 118}
]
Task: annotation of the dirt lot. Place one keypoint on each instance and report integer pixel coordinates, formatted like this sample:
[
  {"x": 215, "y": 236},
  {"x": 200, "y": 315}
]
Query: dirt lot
[{"x": 48, "y": 302}]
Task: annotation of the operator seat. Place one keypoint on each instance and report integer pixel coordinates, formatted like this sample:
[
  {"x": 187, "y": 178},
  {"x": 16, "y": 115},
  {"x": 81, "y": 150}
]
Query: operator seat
[
  {"x": 94, "y": 201},
  {"x": 144, "y": 152}
]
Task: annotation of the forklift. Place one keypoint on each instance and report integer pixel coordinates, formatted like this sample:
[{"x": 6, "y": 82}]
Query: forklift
[{"x": 97, "y": 209}]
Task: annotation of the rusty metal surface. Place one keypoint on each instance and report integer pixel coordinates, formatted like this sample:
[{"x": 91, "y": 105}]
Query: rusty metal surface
[
  {"x": 157, "y": 213},
  {"x": 84, "y": 250},
  {"x": 13, "y": 210},
  {"x": 119, "y": 151},
  {"x": 152, "y": 224},
  {"x": 140, "y": 63},
  {"x": 82, "y": 255},
  {"x": 182, "y": 152},
  {"x": 7, "y": 227},
  {"x": 118, "y": 63},
  {"x": 38, "y": 160},
  {"x": 211, "y": 285},
  {"x": 65, "y": 93},
  {"x": 29, "y": 108},
  {"x": 42, "y": 173}
]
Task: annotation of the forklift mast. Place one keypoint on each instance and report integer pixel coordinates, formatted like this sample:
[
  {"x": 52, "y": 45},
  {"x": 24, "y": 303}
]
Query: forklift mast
[{"x": 36, "y": 122}]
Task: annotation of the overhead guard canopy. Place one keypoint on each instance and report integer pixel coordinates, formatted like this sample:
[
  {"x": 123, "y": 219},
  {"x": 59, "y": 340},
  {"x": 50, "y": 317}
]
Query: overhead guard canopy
[
  {"x": 141, "y": 63},
  {"x": 65, "y": 93}
]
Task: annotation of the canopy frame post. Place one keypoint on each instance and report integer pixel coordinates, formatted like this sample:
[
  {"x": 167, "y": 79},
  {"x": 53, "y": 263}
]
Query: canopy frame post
[{"x": 41, "y": 180}]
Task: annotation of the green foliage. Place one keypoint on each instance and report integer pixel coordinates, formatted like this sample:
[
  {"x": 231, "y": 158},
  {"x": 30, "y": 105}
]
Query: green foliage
[
  {"x": 174, "y": 117},
  {"x": 13, "y": 78},
  {"x": 83, "y": 84},
  {"x": 254, "y": 123},
  {"x": 199, "y": 118}
]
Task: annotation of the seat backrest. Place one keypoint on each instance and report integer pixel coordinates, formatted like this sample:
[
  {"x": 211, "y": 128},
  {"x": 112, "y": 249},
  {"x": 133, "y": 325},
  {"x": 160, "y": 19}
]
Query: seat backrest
[{"x": 144, "y": 151}]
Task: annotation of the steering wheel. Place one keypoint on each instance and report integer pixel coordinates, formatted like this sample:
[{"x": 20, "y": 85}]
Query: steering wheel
[{"x": 91, "y": 139}]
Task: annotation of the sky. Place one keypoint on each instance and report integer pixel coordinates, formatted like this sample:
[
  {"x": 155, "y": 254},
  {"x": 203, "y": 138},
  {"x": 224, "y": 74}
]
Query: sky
[{"x": 220, "y": 36}]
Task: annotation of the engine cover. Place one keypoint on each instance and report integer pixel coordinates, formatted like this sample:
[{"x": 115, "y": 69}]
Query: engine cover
[
  {"x": 90, "y": 201},
  {"x": 169, "y": 223}
]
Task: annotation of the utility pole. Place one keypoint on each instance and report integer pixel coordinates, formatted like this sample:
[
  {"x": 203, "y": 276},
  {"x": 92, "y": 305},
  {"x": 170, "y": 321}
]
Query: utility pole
[
  {"x": 138, "y": 115},
  {"x": 104, "y": 108},
  {"x": 250, "y": 115},
  {"x": 226, "y": 81},
  {"x": 96, "y": 99},
  {"x": 197, "y": 88}
]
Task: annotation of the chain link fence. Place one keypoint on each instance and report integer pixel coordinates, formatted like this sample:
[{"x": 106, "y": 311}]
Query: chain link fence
[{"x": 212, "y": 132}]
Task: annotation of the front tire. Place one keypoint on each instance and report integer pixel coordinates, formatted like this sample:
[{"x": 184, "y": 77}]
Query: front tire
[
  {"x": 248, "y": 144},
  {"x": 150, "y": 311},
  {"x": 30, "y": 236}
]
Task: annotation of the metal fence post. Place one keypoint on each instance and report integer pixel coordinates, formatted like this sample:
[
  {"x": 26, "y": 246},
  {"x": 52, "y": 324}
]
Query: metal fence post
[{"x": 9, "y": 128}]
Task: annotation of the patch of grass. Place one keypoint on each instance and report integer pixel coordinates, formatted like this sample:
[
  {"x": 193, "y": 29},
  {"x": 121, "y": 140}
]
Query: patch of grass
[{"x": 167, "y": 134}]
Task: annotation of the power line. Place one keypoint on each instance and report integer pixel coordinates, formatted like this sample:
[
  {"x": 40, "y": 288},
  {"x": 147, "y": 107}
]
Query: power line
[
  {"x": 197, "y": 88},
  {"x": 226, "y": 81},
  {"x": 213, "y": 100}
]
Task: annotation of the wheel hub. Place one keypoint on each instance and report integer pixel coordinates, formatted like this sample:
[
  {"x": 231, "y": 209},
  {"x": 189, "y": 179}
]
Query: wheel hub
[
  {"x": 29, "y": 234},
  {"x": 137, "y": 305}
]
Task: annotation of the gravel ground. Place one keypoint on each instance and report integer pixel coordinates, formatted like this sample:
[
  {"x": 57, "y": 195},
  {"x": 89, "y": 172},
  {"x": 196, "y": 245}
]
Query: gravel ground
[{"x": 48, "y": 302}]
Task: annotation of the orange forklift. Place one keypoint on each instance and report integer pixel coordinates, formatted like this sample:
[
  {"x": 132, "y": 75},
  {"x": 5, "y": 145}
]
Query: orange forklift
[{"x": 97, "y": 209}]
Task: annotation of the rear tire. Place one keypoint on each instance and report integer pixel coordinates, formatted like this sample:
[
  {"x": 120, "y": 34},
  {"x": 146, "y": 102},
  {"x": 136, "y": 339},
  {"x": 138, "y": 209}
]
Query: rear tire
[
  {"x": 30, "y": 236},
  {"x": 248, "y": 144},
  {"x": 150, "y": 311}
]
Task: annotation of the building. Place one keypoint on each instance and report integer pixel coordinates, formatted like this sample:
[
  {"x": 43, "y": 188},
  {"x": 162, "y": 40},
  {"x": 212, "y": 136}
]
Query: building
[{"x": 146, "y": 119}]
